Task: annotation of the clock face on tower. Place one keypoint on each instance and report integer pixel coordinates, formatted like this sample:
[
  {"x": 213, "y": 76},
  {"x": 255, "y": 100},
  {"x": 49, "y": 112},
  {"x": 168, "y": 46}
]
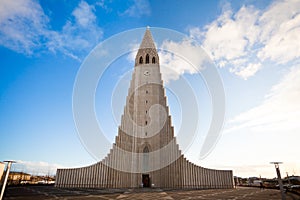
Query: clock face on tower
[{"x": 146, "y": 73}]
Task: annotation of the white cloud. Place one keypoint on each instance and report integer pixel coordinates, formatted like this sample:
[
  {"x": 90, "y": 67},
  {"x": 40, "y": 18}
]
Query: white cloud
[
  {"x": 280, "y": 31},
  {"x": 179, "y": 58},
  {"x": 35, "y": 167},
  {"x": 246, "y": 72},
  {"x": 231, "y": 34},
  {"x": 103, "y": 5},
  {"x": 138, "y": 9},
  {"x": 280, "y": 110},
  {"x": 22, "y": 24},
  {"x": 253, "y": 36},
  {"x": 230, "y": 40},
  {"x": 78, "y": 36},
  {"x": 276, "y": 15},
  {"x": 24, "y": 28},
  {"x": 84, "y": 15}
]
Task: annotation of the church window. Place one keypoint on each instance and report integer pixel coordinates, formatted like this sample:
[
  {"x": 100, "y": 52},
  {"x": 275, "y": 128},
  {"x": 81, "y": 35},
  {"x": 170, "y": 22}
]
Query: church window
[
  {"x": 146, "y": 91},
  {"x": 146, "y": 149},
  {"x": 146, "y": 101},
  {"x": 153, "y": 60},
  {"x": 147, "y": 58},
  {"x": 141, "y": 60},
  {"x": 146, "y": 122},
  {"x": 146, "y": 111}
]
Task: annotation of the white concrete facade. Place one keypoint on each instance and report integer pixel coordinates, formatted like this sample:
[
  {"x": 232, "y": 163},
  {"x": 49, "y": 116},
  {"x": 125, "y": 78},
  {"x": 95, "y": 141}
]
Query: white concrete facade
[{"x": 145, "y": 150}]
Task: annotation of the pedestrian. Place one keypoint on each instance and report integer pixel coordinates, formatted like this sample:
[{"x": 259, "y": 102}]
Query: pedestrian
[{"x": 261, "y": 185}]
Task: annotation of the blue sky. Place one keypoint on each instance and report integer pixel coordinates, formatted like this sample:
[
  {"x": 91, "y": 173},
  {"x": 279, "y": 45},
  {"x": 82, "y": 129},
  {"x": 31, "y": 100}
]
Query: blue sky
[{"x": 254, "y": 45}]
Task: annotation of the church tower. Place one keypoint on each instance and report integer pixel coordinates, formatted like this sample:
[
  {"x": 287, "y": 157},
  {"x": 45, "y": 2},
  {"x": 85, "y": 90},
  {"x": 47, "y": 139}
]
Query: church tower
[{"x": 145, "y": 152}]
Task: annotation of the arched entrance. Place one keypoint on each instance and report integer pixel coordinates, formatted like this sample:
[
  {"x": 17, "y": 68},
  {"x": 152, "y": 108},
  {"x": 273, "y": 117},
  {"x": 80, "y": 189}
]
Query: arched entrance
[{"x": 146, "y": 180}]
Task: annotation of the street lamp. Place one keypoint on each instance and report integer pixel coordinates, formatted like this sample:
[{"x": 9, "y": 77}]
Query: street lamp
[
  {"x": 287, "y": 175},
  {"x": 9, "y": 163},
  {"x": 279, "y": 178}
]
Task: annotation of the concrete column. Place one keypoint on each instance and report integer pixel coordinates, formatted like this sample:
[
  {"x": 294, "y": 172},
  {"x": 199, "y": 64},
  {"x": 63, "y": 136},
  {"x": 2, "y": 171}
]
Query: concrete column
[
  {"x": 194, "y": 175},
  {"x": 80, "y": 182},
  {"x": 93, "y": 176},
  {"x": 113, "y": 176},
  {"x": 183, "y": 171},
  {"x": 103, "y": 175},
  {"x": 206, "y": 178},
  {"x": 83, "y": 181},
  {"x": 71, "y": 176},
  {"x": 223, "y": 179},
  {"x": 215, "y": 179},
  {"x": 85, "y": 175},
  {"x": 96, "y": 177},
  {"x": 100, "y": 175},
  {"x": 210, "y": 178},
  {"x": 58, "y": 178},
  {"x": 191, "y": 174},
  {"x": 88, "y": 176},
  {"x": 62, "y": 177},
  {"x": 77, "y": 175},
  {"x": 220, "y": 178},
  {"x": 68, "y": 177},
  {"x": 197, "y": 176}
]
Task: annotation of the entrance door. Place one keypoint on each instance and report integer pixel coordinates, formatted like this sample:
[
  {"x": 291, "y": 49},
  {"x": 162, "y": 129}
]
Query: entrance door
[{"x": 146, "y": 180}]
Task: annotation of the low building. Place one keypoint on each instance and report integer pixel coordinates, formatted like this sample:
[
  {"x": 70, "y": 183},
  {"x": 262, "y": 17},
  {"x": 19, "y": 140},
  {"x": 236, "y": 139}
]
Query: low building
[
  {"x": 18, "y": 178},
  {"x": 2, "y": 167},
  {"x": 42, "y": 180}
]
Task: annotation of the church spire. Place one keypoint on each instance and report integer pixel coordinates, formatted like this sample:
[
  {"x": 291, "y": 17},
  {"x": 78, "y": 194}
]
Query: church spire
[
  {"x": 147, "y": 41},
  {"x": 147, "y": 53}
]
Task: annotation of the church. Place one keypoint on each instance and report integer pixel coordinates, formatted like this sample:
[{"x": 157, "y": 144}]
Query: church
[{"x": 145, "y": 152}]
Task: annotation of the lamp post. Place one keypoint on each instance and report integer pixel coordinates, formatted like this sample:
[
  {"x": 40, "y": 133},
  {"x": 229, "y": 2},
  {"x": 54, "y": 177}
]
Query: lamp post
[
  {"x": 287, "y": 175},
  {"x": 9, "y": 163},
  {"x": 279, "y": 178}
]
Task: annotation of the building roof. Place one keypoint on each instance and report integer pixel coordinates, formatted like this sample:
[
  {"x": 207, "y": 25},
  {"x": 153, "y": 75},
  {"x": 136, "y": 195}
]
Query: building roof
[
  {"x": 16, "y": 173},
  {"x": 147, "y": 41}
]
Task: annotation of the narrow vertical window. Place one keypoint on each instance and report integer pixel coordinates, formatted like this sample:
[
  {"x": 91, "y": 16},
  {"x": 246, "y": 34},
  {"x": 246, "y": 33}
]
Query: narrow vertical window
[
  {"x": 153, "y": 60},
  {"x": 146, "y": 149},
  {"x": 146, "y": 158},
  {"x": 146, "y": 122},
  {"x": 147, "y": 58},
  {"x": 146, "y": 101},
  {"x": 141, "y": 60},
  {"x": 146, "y": 91}
]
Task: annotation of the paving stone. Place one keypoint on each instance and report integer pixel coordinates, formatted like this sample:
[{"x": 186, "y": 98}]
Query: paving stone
[{"x": 50, "y": 192}]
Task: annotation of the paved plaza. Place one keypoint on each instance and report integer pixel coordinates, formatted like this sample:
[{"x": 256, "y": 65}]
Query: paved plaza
[{"x": 50, "y": 192}]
